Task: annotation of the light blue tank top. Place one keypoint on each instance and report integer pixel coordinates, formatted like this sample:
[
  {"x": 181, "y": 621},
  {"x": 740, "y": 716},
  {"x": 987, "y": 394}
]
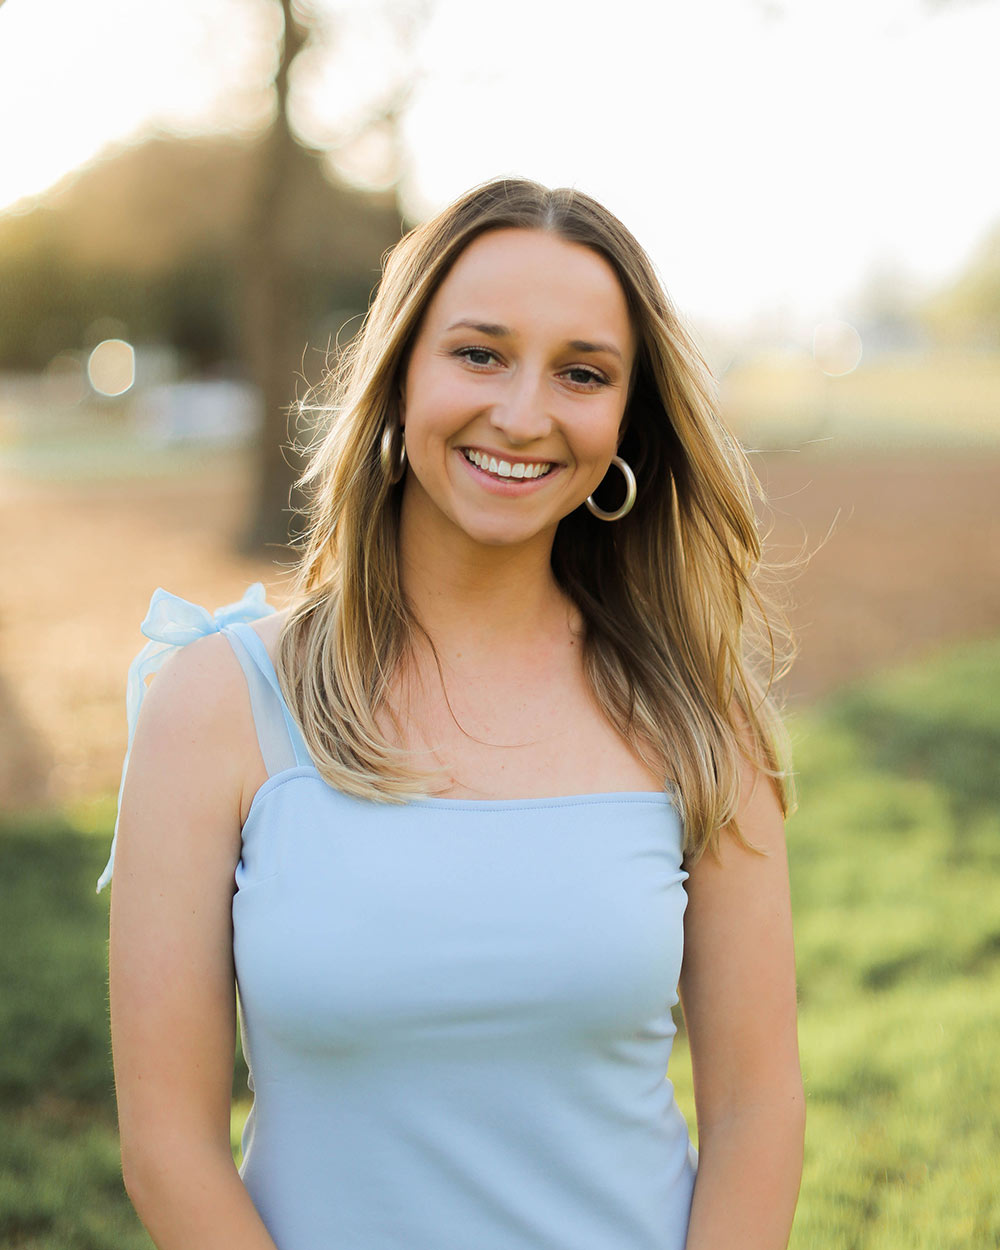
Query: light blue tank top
[{"x": 456, "y": 1014}]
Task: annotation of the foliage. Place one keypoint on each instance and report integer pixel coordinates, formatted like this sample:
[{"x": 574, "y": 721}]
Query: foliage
[
  {"x": 154, "y": 236},
  {"x": 893, "y": 854},
  {"x": 60, "y": 1171}
]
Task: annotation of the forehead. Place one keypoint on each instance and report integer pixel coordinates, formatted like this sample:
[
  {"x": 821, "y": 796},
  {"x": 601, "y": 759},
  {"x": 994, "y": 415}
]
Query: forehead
[{"x": 532, "y": 278}]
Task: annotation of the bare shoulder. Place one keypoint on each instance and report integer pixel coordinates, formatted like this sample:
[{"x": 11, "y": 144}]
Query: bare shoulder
[
  {"x": 199, "y": 686},
  {"x": 191, "y": 759},
  {"x": 269, "y": 629},
  {"x": 197, "y": 709}
]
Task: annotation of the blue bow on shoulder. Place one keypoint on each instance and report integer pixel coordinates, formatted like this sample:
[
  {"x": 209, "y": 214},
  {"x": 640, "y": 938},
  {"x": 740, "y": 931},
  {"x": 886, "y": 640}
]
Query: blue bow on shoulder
[{"x": 171, "y": 623}]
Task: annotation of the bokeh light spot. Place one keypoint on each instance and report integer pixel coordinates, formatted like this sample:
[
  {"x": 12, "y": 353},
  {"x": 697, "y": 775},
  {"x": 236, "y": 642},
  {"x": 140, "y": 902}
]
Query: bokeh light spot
[
  {"x": 836, "y": 347},
  {"x": 111, "y": 367}
]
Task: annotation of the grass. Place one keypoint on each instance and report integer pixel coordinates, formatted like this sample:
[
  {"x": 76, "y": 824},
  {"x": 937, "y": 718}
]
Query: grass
[
  {"x": 60, "y": 1179},
  {"x": 934, "y": 399},
  {"x": 93, "y": 453},
  {"x": 60, "y": 1169},
  {"x": 894, "y": 856}
]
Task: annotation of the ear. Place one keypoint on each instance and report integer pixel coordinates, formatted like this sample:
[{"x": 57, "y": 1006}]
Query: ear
[{"x": 401, "y": 400}]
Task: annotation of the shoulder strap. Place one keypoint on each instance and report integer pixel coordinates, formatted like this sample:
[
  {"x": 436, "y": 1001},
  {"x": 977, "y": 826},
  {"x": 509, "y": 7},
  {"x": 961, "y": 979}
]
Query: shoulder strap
[
  {"x": 281, "y": 743},
  {"x": 171, "y": 623}
]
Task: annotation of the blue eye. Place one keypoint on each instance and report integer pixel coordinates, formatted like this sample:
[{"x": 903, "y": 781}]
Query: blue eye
[
  {"x": 590, "y": 377},
  {"x": 467, "y": 352}
]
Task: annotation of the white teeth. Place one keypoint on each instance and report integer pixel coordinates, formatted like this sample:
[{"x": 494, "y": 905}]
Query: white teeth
[{"x": 504, "y": 468}]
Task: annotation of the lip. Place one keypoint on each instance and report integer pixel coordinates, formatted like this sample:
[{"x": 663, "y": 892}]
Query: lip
[{"x": 508, "y": 486}]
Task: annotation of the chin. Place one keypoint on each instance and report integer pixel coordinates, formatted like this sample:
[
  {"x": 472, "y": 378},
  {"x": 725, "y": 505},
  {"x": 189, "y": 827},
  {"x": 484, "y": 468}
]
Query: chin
[{"x": 500, "y": 535}]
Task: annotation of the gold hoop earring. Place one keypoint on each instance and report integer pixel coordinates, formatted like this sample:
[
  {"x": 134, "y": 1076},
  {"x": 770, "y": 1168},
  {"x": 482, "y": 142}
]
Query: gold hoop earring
[
  {"x": 392, "y": 472},
  {"x": 631, "y": 491}
]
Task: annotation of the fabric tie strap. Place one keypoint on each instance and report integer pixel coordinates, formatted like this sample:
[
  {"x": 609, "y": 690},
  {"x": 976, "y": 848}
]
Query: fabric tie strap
[{"x": 171, "y": 623}]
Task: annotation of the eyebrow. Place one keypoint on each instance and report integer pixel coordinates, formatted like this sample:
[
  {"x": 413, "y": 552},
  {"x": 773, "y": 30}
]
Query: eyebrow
[{"x": 501, "y": 332}]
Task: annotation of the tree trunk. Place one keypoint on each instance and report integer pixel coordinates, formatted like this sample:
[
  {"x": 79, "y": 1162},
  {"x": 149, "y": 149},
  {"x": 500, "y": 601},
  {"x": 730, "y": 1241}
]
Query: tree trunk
[{"x": 274, "y": 325}]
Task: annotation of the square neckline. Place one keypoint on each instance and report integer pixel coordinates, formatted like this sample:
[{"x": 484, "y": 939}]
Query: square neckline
[
  {"x": 662, "y": 797},
  {"x": 651, "y": 798}
]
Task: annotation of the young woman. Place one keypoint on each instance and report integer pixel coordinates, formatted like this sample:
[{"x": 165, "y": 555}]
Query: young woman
[{"x": 463, "y": 818}]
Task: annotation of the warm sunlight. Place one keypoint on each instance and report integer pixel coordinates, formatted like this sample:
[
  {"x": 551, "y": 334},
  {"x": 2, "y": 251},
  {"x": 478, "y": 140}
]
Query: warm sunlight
[{"x": 768, "y": 154}]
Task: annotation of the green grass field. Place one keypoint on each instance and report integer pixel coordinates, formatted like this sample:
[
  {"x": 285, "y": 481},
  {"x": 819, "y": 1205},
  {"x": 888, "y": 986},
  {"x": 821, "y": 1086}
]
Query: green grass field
[
  {"x": 894, "y": 852},
  {"x": 894, "y": 855},
  {"x": 931, "y": 399}
]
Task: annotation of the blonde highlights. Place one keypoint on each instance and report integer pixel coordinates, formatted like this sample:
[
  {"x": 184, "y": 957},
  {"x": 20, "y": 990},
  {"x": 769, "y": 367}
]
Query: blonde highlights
[{"x": 679, "y": 631}]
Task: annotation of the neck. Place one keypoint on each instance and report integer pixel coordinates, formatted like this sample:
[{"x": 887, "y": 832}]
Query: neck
[{"x": 476, "y": 599}]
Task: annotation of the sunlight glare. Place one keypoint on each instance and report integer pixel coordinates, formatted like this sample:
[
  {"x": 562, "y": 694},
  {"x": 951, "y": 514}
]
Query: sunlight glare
[
  {"x": 111, "y": 367},
  {"x": 836, "y": 348}
]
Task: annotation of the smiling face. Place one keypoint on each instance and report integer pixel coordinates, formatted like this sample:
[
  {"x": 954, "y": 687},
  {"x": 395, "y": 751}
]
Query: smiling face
[{"x": 515, "y": 388}]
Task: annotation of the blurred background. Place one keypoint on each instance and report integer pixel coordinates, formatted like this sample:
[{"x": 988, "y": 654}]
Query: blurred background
[{"x": 194, "y": 203}]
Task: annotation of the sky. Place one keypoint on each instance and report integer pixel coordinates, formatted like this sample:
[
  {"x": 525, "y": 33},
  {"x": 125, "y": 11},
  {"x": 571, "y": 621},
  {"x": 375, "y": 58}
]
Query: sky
[{"x": 769, "y": 155}]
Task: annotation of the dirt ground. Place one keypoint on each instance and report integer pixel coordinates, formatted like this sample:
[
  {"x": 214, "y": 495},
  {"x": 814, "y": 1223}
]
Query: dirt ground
[{"x": 904, "y": 545}]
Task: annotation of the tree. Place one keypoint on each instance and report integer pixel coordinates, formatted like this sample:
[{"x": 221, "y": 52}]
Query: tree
[
  {"x": 275, "y": 319},
  {"x": 151, "y": 236},
  {"x": 230, "y": 249}
]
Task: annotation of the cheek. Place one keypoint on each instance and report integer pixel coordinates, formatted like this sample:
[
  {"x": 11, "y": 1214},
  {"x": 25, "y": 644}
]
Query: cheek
[
  {"x": 435, "y": 400},
  {"x": 594, "y": 434}
]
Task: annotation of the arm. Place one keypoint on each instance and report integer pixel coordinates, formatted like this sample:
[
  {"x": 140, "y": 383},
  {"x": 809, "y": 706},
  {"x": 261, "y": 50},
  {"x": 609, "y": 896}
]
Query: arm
[
  {"x": 172, "y": 979},
  {"x": 738, "y": 995}
]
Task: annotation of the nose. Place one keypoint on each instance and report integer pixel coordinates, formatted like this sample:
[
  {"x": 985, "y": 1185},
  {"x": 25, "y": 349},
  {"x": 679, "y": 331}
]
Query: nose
[{"x": 522, "y": 415}]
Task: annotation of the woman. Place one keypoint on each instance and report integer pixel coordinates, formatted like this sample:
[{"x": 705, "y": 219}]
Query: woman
[{"x": 503, "y": 758}]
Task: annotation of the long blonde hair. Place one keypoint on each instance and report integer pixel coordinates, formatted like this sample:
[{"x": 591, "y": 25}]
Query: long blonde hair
[{"x": 675, "y": 619}]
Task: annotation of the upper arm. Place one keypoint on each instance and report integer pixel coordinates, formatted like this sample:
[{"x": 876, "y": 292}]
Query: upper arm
[
  {"x": 172, "y": 981},
  {"x": 738, "y": 977}
]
